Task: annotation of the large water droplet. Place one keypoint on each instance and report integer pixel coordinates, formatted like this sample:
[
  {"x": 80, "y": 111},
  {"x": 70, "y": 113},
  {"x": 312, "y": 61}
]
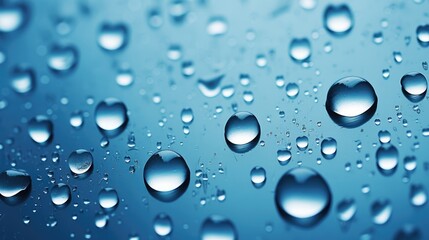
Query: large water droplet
[
  {"x": 346, "y": 209},
  {"x": 284, "y": 156},
  {"x": 111, "y": 116},
  {"x": 258, "y": 176},
  {"x": 40, "y": 129},
  {"x": 210, "y": 87},
  {"x": 113, "y": 37},
  {"x": 303, "y": 197},
  {"x": 414, "y": 86},
  {"x": 62, "y": 58},
  {"x": 423, "y": 35},
  {"x": 60, "y": 194},
  {"x": 162, "y": 225},
  {"x": 418, "y": 195},
  {"x": 23, "y": 80},
  {"x": 218, "y": 228},
  {"x": 108, "y": 198},
  {"x": 166, "y": 175},
  {"x": 351, "y": 102},
  {"x": 80, "y": 162},
  {"x": 242, "y": 132},
  {"x": 381, "y": 210},
  {"x": 329, "y": 148},
  {"x": 300, "y": 49},
  {"x": 338, "y": 19},
  {"x": 12, "y": 17},
  {"x": 387, "y": 159},
  {"x": 15, "y": 186},
  {"x": 217, "y": 26}
]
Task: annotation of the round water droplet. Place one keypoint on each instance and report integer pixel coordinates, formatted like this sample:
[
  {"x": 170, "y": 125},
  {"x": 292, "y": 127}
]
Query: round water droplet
[
  {"x": 62, "y": 59},
  {"x": 112, "y": 37},
  {"x": 166, "y": 175},
  {"x": 15, "y": 186},
  {"x": 60, "y": 194},
  {"x": 384, "y": 136},
  {"x": 328, "y": 148},
  {"x": 242, "y": 132},
  {"x": 162, "y": 225},
  {"x": 125, "y": 78},
  {"x": 300, "y": 49},
  {"x": 351, "y": 102},
  {"x": 302, "y": 143},
  {"x": 423, "y": 35},
  {"x": 40, "y": 129},
  {"x": 218, "y": 228},
  {"x": 80, "y": 161},
  {"x": 217, "y": 26},
  {"x": 292, "y": 90},
  {"x": 76, "y": 119},
  {"x": 410, "y": 163},
  {"x": 418, "y": 195},
  {"x": 338, "y": 19},
  {"x": 303, "y": 197},
  {"x": 284, "y": 156},
  {"x": 258, "y": 176},
  {"x": 387, "y": 159},
  {"x": 108, "y": 198},
  {"x": 381, "y": 210},
  {"x": 414, "y": 86},
  {"x": 111, "y": 116},
  {"x": 210, "y": 87},
  {"x": 346, "y": 209},
  {"x": 12, "y": 17},
  {"x": 101, "y": 220},
  {"x": 187, "y": 115},
  {"x": 23, "y": 80},
  {"x": 174, "y": 52}
]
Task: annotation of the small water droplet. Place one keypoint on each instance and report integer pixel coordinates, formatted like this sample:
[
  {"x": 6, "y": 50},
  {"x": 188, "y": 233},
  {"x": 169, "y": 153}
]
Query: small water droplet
[
  {"x": 410, "y": 163},
  {"x": 108, "y": 198},
  {"x": 302, "y": 143},
  {"x": 414, "y": 86},
  {"x": 338, "y": 19},
  {"x": 387, "y": 159},
  {"x": 418, "y": 195},
  {"x": 40, "y": 129},
  {"x": 125, "y": 77},
  {"x": 60, "y": 194},
  {"x": 423, "y": 35},
  {"x": 397, "y": 56},
  {"x": 328, "y": 148},
  {"x": 101, "y": 220},
  {"x": 346, "y": 209},
  {"x": 162, "y": 225},
  {"x": 80, "y": 162},
  {"x": 12, "y": 17},
  {"x": 284, "y": 156},
  {"x": 112, "y": 37},
  {"x": 76, "y": 119},
  {"x": 381, "y": 210},
  {"x": 258, "y": 176},
  {"x": 62, "y": 58},
  {"x": 242, "y": 132},
  {"x": 384, "y": 136},
  {"x": 217, "y": 26}
]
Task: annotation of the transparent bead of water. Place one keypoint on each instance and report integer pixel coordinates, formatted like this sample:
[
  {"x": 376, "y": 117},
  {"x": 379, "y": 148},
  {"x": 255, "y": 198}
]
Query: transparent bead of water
[
  {"x": 302, "y": 142},
  {"x": 338, "y": 19},
  {"x": 387, "y": 159},
  {"x": 60, "y": 194},
  {"x": 40, "y": 129},
  {"x": 125, "y": 78},
  {"x": 62, "y": 58},
  {"x": 258, "y": 176},
  {"x": 381, "y": 210},
  {"x": 76, "y": 119},
  {"x": 418, "y": 195},
  {"x": 111, "y": 116},
  {"x": 187, "y": 115},
  {"x": 284, "y": 156},
  {"x": 328, "y": 148},
  {"x": 384, "y": 136},
  {"x": 13, "y": 17},
  {"x": 422, "y": 34},
  {"x": 292, "y": 90},
  {"x": 210, "y": 87},
  {"x": 217, "y": 26},
  {"x": 112, "y": 36},
  {"x": 23, "y": 80},
  {"x": 108, "y": 198},
  {"x": 162, "y": 225},
  {"x": 80, "y": 161},
  {"x": 14, "y": 183},
  {"x": 242, "y": 132},
  {"x": 414, "y": 86},
  {"x": 346, "y": 209},
  {"x": 218, "y": 227},
  {"x": 300, "y": 49}
]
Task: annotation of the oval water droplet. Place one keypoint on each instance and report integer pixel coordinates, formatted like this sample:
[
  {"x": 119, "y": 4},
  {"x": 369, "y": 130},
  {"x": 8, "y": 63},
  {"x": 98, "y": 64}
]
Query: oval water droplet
[
  {"x": 387, "y": 159},
  {"x": 303, "y": 197},
  {"x": 12, "y": 17},
  {"x": 423, "y": 35},
  {"x": 60, "y": 194},
  {"x": 258, "y": 176},
  {"x": 108, "y": 198},
  {"x": 414, "y": 86},
  {"x": 80, "y": 162},
  {"x": 418, "y": 195},
  {"x": 242, "y": 132},
  {"x": 302, "y": 143},
  {"x": 23, "y": 80},
  {"x": 125, "y": 77},
  {"x": 328, "y": 148},
  {"x": 210, "y": 87},
  {"x": 112, "y": 36},
  {"x": 300, "y": 49},
  {"x": 187, "y": 115},
  {"x": 381, "y": 210},
  {"x": 76, "y": 119},
  {"x": 292, "y": 90},
  {"x": 384, "y": 136},
  {"x": 166, "y": 175},
  {"x": 410, "y": 163},
  {"x": 284, "y": 156},
  {"x": 408, "y": 232},
  {"x": 111, "y": 116},
  {"x": 338, "y": 19},
  {"x": 15, "y": 186},
  {"x": 351, "y": 102},
  {"x": 217, "y": 26},
  {"x": 218, "y": 227},
  {"x": 62, "y": 58},
  {"x": 346, "y": 209},
  {"x": 162, "y": 225},
  {"x": 40, "y": 129}
]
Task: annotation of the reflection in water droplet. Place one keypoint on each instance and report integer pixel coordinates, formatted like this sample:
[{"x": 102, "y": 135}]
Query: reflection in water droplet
[
  {"x": 40, "y": 129},
  {"x": 242, "y": 132},
  {"x": 338, "y": 19},
  {"x": 418, "y": 195},
  {"x": 62, "y": 59},
  {"x": 300, "y": 49},
  {"x": 387, "y": 159},
  {"x": 328, "y": 148},
  {"x": 284, "y": 156},
  {"x": 218, "y": 228},
  {"x": 12, "y": 17},
  {"x": 258, "y": 176},
  {"x": 60, "y": 194},
  {"x": 346, "y": 209},
  {"x": 303, "y": 197},
  {"x": 111, "y": 116},
  {"x": 351, "y": 102},
  {"x": 381, "y": 210},
  {"x": 414, "y": 86},
  {"x": 210, "y": 87},
  {"x": 166, "y": 175},
  {"x": 217, "y": 26},
  {"x": 80, "y": 161},
  {"x": 162, "y": 225},
  {"x": 108, "y": 198},
  {"x": 112, "y": 37},
  {"x": 423, "y": 35},
  {"x": 292, "y": 90},
  {"x": 187, "y": 115},
  {"x": 15, "y": 185},
  {"x": 23, "y": 80}
]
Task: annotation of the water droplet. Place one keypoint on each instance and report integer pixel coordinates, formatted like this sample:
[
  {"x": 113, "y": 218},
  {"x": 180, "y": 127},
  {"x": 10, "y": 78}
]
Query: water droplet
[
  {"x": 303, "y": 197},
  {"x": 187, "y": 115},
  {"x": 302, "y": 143},
  {"x": 248, "y": 97},
  {"x": 377, "y": 38},
  {"x": 125, "y": 78},
  {"x": 62, "y": 58},
  {"x": 218, "y": 227},
  {"x": 80, "y": 162},
  {"x": 300, "y": 49},
  {"x": 12, "y": 17},
  {"x": 23, "y": 80},
  {"x": 113, "y": 37},
  {"x": 381, "y": 210},
  {"x": 328, "y": 148},
  {"x": 423, "y": 35},
  {"x": 351, "y": 102},
  {"x": 410, "y": 163},
  {"x": 76, "y": 119},
  {"x": 397, "y": 56},
  {"x": 101, "y": 220},
  {"x": 338, "y": 19},
  {"x": 108, "y": 198},
  {"x": 162, "y": 225},
  {"x": 346, "y": 209},
  {"x": 15, "y": 186},
  {"x": 284, "y": 156},
  {"x": 242, "y": 132},
  {"x": 414, "y": 86},
  {"x": 40, "y": 129},
  {"x": 418, "y": 195},
  {"x": 60, "y": 194},
  {"x": 385, "y": 73},
  {"x": 217, "y": 26},
  {"x": 166, "y": 175},
  {"x": 111, "y": 116},
  {"x": 387, "y": 159},
  {"x": 292, "y": 90},
  {"x": 258, "y": 176},
  {"x": 210, "y": 87},
  {"x": 174, "y": 52},
  {"x": 384, "y": 136}
]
